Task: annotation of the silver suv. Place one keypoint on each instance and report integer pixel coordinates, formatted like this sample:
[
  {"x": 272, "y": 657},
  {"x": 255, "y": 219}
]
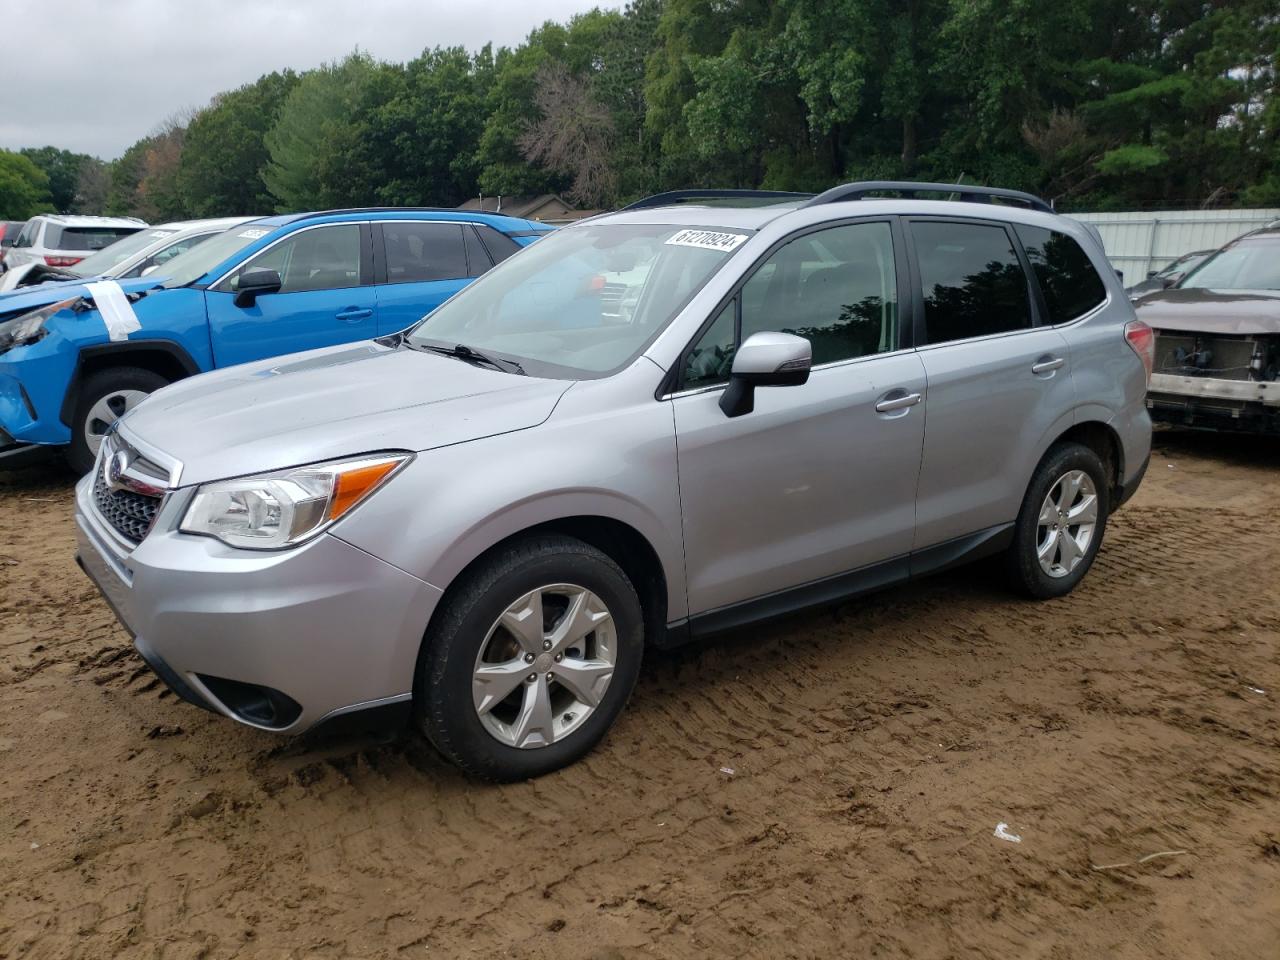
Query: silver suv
[{"x": 486, "y": 518}]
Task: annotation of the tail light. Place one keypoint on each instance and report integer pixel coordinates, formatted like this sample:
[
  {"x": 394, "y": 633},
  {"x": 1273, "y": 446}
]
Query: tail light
[
  {"x": 62, "y": 261},
  {"x": 1142, "y": 339}
]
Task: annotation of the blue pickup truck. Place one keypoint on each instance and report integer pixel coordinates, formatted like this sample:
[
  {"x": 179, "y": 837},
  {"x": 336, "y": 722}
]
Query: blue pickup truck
[{"x": 70, "y": 369}]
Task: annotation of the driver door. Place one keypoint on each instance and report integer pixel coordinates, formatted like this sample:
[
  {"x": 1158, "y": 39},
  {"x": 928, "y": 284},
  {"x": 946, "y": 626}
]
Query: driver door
[
  {"x": 819, "y": 480},
  {"x": 326, "y": 297}
]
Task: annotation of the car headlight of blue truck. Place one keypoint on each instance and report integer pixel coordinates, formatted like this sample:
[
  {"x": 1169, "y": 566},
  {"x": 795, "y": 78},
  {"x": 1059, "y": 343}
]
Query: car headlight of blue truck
[{"x": 29, "y": 328}]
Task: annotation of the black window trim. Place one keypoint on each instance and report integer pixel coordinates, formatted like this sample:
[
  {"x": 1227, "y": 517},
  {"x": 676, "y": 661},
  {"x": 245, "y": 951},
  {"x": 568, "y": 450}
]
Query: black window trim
[
  {"x": 917, "y": 292},
  {"x": 672, "y": 384}
]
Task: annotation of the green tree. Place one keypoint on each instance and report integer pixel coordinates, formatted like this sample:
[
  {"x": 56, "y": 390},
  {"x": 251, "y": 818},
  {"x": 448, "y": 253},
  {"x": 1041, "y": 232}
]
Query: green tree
[
  {"x": 62, "y": 167},
  {"x": 24, "y": 187},
  {"x": 225, "y": 153}
]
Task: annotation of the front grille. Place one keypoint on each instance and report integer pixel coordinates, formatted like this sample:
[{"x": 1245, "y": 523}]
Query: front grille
[{"x": 130, "y": 514}]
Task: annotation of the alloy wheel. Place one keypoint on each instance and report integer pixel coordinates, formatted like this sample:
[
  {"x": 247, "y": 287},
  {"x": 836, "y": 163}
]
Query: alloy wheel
[
  {"x": 544, "y": 666},
  {"x": 106, "y": 412},
  {"x": 1066, "y": 524}
]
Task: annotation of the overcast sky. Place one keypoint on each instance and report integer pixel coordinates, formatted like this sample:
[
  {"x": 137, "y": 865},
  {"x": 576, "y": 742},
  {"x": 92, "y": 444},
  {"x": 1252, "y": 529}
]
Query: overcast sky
[{"x": 96, "y": 75}]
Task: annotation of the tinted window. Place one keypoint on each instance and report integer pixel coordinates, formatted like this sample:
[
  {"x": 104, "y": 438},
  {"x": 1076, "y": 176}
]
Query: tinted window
[
  {"x": 710, "y": 359},
  {"x": 837, "y": 288},
  {"x": 971, "y": 281},
  {"x": 325, "y": 258},
  {"x": 1070, "y": 285},
  {"x": 27, "y": 237},
  {"x": 499, "y": 245},
  {"x": 423, "y": 251},
  {"x": 477, "y": 257},
  {"x": 84, "y": 238}
]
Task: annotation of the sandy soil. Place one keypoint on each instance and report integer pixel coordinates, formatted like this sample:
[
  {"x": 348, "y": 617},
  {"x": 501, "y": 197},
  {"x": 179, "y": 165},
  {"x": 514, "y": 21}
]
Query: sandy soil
[{"x": 873, "y": 752}]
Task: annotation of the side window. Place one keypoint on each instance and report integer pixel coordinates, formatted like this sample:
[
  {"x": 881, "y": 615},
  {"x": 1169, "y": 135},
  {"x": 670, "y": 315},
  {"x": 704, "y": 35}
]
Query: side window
[
  {"x": 499, "y": 245},
  {"x": 326, "y": 258},
  {"x": 1070, "y": 284},
  {"x": 710, "y": 359},
  {"x": 477, "y": 257},
  {"x": 27, "y": 238},
  {"x": 417, "y": 252},
  {"x": 971, "y": 279},
  {"x": 837, "y": 288}
]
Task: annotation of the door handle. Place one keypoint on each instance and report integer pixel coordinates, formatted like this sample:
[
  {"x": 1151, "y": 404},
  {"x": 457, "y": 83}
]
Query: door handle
[
  {"x": 889, "y": 404},
  {"x": 352, "y": 314},
  {"x": 1048, "y": 364}
]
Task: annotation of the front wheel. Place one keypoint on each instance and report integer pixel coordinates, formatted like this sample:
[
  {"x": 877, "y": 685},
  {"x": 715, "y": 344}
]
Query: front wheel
[
  {"x": 1061, "y": 523},
  {"x": 105, "y": 397},
  {"x": 530, "y": 660}
]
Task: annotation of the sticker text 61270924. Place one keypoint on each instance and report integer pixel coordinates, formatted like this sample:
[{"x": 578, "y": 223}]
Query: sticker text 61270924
[{"x": 708, "y": 239}]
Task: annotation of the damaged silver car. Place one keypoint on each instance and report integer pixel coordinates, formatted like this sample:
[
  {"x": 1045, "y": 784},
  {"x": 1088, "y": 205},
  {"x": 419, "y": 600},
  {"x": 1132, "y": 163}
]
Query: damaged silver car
[{"x": 1217, "y": 363}]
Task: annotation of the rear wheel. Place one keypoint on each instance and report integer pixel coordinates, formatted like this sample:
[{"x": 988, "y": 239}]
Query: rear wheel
[
  {"x": 531, "y": 659},
  {"x": 1061, "y": 523},
  {"x": 105, "y": 397}
]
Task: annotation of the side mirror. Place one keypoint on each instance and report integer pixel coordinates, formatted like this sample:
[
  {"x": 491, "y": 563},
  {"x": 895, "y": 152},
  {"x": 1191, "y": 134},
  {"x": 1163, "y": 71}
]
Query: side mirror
[
  {"x": 254, "y": 283},
  {"x": 765, "y": 360},
  {"x": 1120, "y": 274},
  {"x": 8, "y": 241},
  {"x": 1172, "y": 280}
]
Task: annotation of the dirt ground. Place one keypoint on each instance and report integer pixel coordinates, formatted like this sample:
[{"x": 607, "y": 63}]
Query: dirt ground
[{"x": 873, "y": 750}]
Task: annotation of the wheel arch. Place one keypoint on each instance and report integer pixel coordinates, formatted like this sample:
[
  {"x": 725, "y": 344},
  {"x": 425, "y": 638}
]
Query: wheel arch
[
  {"x": 1103, "y": 440},
  {"x": 620, "y": 541},
  {"x": 163, "y": 357}
]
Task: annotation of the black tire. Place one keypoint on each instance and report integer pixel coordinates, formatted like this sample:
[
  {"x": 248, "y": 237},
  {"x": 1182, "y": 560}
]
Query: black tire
[
  {"x": 79, "y": 454},
  {"x": 443, "y": 699},
  {"x": 1021, "y": 561}
]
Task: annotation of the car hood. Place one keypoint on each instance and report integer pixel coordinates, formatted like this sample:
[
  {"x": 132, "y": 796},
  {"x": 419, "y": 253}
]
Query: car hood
[
  {"x": 1212, "y": 311},
  {"x": 334, "y": 402},
  {"x": 25, "y": 299}
]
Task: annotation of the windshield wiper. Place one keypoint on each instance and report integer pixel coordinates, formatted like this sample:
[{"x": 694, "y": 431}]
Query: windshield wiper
[{"x": 461, "y": 351}]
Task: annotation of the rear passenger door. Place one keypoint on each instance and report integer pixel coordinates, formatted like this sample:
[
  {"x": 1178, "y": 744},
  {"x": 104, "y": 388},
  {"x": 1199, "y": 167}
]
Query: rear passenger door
[
  {"x": 420, "y": 264},
  {"x": 998, "y": 381}
]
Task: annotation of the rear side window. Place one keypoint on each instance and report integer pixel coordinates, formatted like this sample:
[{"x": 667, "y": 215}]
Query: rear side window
[
  {"x": 418, "y": 252},
  {"x": 971, "y": 280},
  {"x": 84, "y": 238},
  {"x": 477, "y": 257},
  {"x": 499, "y": 245},
  {"x": 1070, "y": 284}
]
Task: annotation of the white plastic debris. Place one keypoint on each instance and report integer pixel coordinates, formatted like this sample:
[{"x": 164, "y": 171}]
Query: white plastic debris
[
  {"x": 1002, "y": 833},
  {"x": 727, "y": 771},
  {"x": 35, "y": 846}
]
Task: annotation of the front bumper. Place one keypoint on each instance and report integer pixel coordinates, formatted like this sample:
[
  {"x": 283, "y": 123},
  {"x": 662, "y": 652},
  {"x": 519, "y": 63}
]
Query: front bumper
[
  {"x": 1207, "y": 403},
  {"x": 327, "y": 627}
]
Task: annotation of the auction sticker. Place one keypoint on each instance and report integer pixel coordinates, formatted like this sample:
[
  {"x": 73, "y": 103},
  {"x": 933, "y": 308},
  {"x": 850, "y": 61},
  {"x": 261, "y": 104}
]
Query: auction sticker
[
  {"x": 253, "y": 233},
  {"x": 708, "y": 239}
]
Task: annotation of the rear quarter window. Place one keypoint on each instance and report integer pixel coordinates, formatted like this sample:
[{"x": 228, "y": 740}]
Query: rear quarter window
[
  {"x": 1070, "y": 284},
  {"x": 84, "y": 238}
]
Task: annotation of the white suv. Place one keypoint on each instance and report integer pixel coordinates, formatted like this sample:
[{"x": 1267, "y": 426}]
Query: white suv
[{"x": 63, "y": 241}]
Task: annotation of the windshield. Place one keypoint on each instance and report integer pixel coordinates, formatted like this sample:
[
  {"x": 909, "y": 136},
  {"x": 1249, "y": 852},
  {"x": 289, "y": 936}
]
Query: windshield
[
  {"x": 584, "y": 300},
  {"x": 1246, "y": 266},
  {"x": 195, "y": 263},
  {"x": 101, "y": 263}
]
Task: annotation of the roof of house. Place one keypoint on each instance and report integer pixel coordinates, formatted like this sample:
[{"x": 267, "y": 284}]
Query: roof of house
[{"x": 550, "y": 207}]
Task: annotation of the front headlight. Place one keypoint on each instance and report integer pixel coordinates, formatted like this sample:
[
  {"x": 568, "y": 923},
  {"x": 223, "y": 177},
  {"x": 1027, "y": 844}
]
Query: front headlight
[
  {"x": 284, "y": 509},
  {"x": 29, "y": 327}
]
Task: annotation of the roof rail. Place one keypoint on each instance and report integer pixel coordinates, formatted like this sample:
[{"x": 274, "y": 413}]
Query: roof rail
[
  {"x": 909, "y": 189},
  {"x": 673, "y": 197},
  {"x": 346, "y": 210}
]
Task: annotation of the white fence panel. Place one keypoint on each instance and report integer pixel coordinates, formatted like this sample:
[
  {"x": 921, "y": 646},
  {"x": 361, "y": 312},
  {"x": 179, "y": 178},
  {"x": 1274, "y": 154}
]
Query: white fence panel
[{"x": 1148, "y": 240}]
